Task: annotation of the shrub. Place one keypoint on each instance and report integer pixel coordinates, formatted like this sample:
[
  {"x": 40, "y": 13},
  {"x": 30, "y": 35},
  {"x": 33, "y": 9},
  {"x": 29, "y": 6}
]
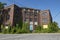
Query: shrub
[
  {"x": 25, "y": 28},
  {"x": 38, "y": 29},
  {"x": 13, "y": 30},
  {"x": 53, "y": 27}
]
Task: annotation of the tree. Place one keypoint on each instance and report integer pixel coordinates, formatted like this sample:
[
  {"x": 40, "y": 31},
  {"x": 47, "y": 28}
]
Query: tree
[
  {"x": 2, "y": 5},
  {"x": 1, "y": 9}
]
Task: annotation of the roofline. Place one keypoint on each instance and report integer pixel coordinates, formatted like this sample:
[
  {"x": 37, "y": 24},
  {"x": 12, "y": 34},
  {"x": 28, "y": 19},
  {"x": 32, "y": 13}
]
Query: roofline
[
  {"x": 26, "y": 7},
  {"x": 22, "y": 7}
]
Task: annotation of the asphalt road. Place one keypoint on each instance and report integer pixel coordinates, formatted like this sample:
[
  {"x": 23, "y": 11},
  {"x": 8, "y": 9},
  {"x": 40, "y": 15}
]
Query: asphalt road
[{"x": 34, "y": 36}]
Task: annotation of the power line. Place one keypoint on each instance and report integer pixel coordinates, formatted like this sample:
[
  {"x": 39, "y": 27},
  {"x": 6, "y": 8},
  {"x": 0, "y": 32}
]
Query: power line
[
  {"x": 20, "y": 4},
  {"x": 11, "y": 1},
  {"x": 57, "y": 14}
]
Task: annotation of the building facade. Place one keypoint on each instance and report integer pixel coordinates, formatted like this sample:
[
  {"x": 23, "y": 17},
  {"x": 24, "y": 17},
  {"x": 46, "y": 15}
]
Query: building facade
[{"x": 13, "y": 15}]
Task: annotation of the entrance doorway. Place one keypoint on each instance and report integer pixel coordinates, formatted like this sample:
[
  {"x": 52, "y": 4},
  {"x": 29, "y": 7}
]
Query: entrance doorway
[{"x": 31, "y": 27}]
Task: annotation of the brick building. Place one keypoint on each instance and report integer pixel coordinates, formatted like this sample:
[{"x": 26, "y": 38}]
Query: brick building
[{"x": 13, "y": 15}]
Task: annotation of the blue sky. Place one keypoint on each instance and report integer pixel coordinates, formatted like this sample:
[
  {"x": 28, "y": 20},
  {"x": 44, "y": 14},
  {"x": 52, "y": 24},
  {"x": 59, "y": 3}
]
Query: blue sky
[{"x": 53, "y": 5}]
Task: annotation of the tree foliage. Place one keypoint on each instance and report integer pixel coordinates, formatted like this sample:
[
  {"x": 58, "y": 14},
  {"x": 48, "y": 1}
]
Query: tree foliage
[
  {"x": 25, "y": 28},
  {"x": 39, "y": 28},
  {"x": 53, "y": 27},
  {"x": 2, "y": 5}
]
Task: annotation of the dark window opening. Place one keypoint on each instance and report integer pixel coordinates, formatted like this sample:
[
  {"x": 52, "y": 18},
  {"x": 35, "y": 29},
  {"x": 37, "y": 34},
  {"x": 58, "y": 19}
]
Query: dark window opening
[
  {"x": 0, "y": 12},
  {"x": 31, "y": 13},
  {"x": 31, "y": 19},
  {"x": 7, "y": 17},
  {"x": 35, "y": 19},
  {"x": 26, "y": 13},
  {"x": 26, "y": 19},
  {"x": 35, "y": 13}
]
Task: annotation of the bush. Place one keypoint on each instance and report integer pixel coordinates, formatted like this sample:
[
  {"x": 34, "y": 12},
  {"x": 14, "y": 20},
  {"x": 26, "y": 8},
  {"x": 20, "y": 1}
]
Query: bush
[
  {"x": 13, "y": 30},
  {"x": 3, "y": 30},
  {"x": 25, "y": 28},
  {"x": 38, "y": 29},
  {"x": 58, "y": 31},
  {"x": 53, "y": 27},
  {"x": 45, "y": 30}
]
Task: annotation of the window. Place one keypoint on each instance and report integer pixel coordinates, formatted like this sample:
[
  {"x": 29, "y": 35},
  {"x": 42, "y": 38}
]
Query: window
[
  {"x": 23, "y": 9},
  {"x": 35, "y": 13},
  {"x": 7, "y": 17},
  {"x": 44, "y": 14},
  {"x": 44, "y": 20},
  {"x": 26, "y": 19},
  {"x": 31, "y": 13},
  {"x": 26, "y": 13},
  {"x": 31, "y": 19},
  {"x": 35, "y": 23},
  {"x": 8, "y": 9},
  {"x": 35, "y": 19},
  {"x": 17, "y": 11},
  {"x": 0, "y": 12}
]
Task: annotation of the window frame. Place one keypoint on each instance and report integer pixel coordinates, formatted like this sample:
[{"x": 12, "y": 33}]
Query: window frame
[{"x": 44, "y": 14}]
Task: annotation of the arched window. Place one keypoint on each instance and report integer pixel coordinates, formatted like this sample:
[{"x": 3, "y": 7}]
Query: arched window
[{"x": 44, "y": 14}]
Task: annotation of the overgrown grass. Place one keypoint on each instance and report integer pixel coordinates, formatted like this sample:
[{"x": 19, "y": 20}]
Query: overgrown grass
[{"x": 52, "y": 28}]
